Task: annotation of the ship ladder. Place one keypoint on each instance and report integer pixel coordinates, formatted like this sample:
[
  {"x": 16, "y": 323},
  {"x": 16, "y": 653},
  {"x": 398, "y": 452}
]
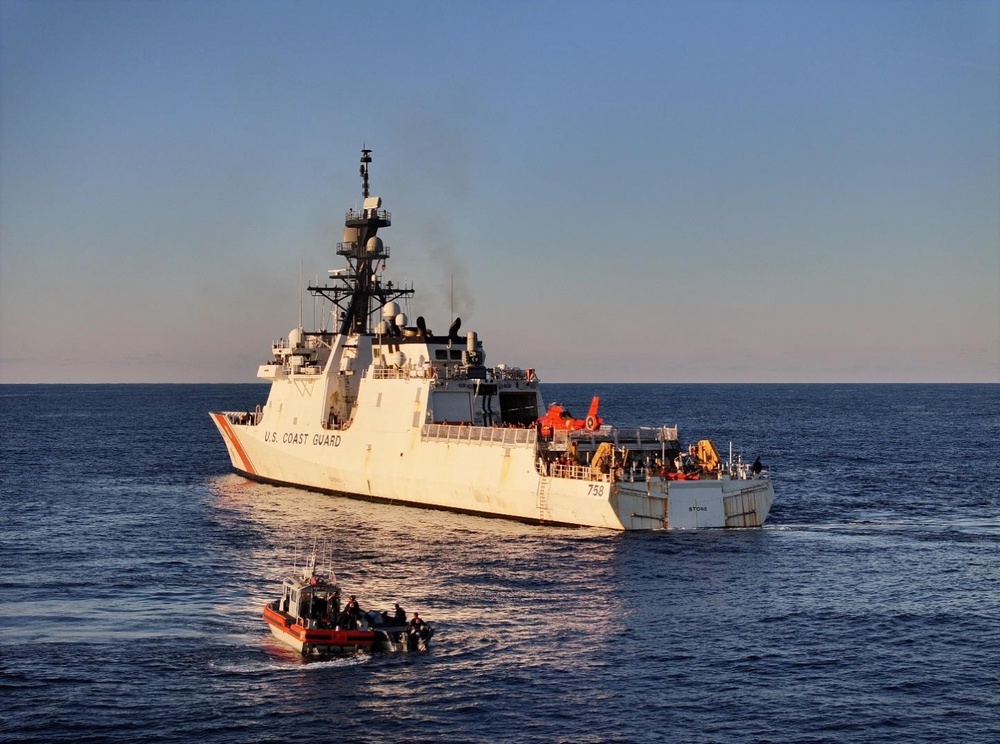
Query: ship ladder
[{"x": 544, "y": 513}]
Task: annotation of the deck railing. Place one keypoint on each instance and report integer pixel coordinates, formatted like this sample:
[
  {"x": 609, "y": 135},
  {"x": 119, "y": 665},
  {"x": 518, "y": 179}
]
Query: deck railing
[
  {"x": 489, "y": 435},
  {"x": 398, "y": 373},
  {"x": 576, "y": 472},
  {"x": 637, "y": 436},
  {"x": 239, "y": 418}
]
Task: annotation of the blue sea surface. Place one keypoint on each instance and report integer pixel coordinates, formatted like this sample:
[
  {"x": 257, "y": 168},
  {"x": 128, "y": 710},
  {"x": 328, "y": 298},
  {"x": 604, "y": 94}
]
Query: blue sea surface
[{"x": 134, "y": 566}]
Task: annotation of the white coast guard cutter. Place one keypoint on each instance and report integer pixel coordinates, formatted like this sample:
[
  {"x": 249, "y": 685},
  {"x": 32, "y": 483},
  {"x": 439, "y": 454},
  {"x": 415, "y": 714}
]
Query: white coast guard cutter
[{"x": 380, "y": 409}]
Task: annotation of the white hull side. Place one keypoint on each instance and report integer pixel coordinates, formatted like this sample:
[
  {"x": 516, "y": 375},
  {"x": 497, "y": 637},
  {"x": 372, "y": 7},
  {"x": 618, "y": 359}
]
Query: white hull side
[
  {"x": 287, "y": 639},
  {"x": 494, "y": 479}
]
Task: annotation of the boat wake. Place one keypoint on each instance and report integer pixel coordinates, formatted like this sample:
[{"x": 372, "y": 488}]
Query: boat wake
[{"x": 296, "y": 664}]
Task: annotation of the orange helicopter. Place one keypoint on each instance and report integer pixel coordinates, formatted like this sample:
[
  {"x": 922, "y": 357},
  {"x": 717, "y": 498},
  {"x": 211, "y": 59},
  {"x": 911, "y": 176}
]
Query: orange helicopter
[{"x": 558, "y": 418}]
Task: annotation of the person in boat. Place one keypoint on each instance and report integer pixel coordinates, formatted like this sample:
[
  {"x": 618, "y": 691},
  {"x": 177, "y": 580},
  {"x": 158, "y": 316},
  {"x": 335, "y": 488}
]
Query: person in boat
[
  {"x": 318, "y": 610},
  {"x": 400, "y": 617},
  {"x": 419, "y": 633},
  {"x": 335, "y": 604},
  {"x": 353, "y": 611},
  {"x": 757, "y": 467}
]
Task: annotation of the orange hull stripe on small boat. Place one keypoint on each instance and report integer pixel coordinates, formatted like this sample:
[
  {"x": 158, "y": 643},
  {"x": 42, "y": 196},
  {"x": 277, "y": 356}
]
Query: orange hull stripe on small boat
[
  {"x": 322, "y": 637},
  {"x": 234, "y": 440}
]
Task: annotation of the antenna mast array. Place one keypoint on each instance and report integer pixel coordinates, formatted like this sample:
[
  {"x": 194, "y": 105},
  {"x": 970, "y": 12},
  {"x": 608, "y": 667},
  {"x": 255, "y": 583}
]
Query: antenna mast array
[{"x": 361, "y": 287}]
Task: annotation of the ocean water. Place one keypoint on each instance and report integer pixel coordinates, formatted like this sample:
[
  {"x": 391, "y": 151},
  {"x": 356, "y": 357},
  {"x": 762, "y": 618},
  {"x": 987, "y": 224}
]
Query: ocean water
[{"x": 134, "y": 565}]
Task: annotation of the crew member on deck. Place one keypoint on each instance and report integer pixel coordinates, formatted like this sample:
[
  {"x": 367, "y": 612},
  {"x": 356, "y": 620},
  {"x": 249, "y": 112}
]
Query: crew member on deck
[
  {"x": 757, "y": 467},
  {"x": 400, "y": 617},
  {"x": 353, "y": 610},
  {"x": 335, "y": 603}
]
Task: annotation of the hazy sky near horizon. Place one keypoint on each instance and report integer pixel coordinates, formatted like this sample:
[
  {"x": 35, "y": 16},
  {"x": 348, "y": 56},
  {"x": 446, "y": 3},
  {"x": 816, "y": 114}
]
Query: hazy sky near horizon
[{"x": 620, "y": 191}]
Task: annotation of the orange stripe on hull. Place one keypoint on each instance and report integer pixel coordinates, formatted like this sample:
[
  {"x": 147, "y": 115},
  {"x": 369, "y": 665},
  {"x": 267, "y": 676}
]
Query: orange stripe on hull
[
  {"x": 318, "y": 636},
  {"x": 228, "y": 432}
]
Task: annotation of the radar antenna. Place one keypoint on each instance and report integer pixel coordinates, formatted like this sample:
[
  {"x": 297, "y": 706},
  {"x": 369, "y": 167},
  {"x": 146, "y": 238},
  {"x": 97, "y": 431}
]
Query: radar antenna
[
  {"x": 366, "y": 158},
  {"x": 360, "y": 290}
]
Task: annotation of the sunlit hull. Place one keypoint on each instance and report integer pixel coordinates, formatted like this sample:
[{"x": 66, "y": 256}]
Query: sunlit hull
[
  {"x": 447, "y": 468},
  {"x": 315, "y": 640}
]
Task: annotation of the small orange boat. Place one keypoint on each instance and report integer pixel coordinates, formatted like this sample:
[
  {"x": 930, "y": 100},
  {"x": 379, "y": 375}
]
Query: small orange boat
[
  {"x": 682, "y": 476},
  {"x": 308, "y": 617}
]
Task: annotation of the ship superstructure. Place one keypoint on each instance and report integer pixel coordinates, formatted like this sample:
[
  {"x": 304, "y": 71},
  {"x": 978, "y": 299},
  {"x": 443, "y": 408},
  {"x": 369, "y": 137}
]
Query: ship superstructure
[{"x": 386, "y": 410}]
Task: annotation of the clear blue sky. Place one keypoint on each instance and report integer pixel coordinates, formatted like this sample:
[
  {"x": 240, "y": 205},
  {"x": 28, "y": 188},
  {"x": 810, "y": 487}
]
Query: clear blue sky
[{"x": 629, "y": 191}]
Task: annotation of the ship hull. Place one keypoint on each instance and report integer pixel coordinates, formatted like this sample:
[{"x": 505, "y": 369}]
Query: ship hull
[
  {"x": 316, "y": 640},
  {"x": 482, "y": 471}
]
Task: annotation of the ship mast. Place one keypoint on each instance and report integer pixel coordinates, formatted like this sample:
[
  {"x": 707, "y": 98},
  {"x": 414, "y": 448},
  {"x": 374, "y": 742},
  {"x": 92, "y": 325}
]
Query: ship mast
[{"x": 361, "y": 287}]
